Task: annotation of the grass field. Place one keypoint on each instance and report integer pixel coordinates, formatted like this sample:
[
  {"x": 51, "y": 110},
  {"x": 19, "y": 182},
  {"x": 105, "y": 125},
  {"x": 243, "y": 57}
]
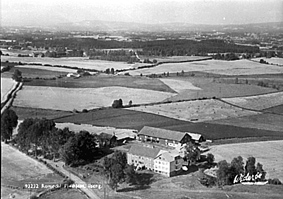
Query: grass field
[
  {"x": 67, "y": 99},
  {"x": 17, "y": 169},
  {"x": 7, "y": 85},
  {"x": 174, "y": 58},
  {"x": 129, "y": 119},
  {"x": 25, "y": 112},
  {"x": 57, "y": 69},
  {"x": 103, "y": 80},
  {"x": 209, "y": 89},
  {"x": 239, "y": 67},
  {"x": 257, "y": 102},
  {"x": 80, "y": 62},
  {"x": 199, "y": 110},
  {"x": 260, "y": 121},
  {"x": 276, "y": 109},
  {"x": 268, "y": 153}
]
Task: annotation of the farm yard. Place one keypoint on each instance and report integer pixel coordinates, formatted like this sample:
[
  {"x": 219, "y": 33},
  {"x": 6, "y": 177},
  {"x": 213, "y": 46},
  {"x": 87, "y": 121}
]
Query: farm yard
[
  {"x": 68, "y": 99},
  {"x": 199, "y": 111},
  {"x": 7, "y": 85},
  {"x": 97, "y": 130},
  {"x": 239, "y": 67},
  {"x": 258, "y": 102},
  {"x": 268, "y": 153},
  {"x": 80, "y": 62},
  {"x": 18, "y": 169}
]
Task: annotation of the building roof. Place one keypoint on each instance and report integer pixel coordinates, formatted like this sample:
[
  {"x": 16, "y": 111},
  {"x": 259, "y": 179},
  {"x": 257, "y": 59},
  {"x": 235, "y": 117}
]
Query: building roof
[
  {"x": 195, "y": 136},
  {"x": 162, "y": 133},
  {"x": 144, "y": 151},
  {"x": 167, "y": 155}
]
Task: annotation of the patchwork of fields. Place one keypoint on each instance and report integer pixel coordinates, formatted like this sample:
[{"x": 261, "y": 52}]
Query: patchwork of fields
[
  {"x": 67, "y": 99},
  {"x": 239, "y": 67},
  {"x": 49, "y": 68},
  {"x": 200, "y": 110},
  {"x": 268, "y": 153}
]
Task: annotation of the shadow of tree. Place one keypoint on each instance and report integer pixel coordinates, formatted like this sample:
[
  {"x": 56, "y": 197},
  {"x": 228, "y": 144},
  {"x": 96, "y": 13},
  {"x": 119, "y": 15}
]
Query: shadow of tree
[{"x": 140, "y": 182}]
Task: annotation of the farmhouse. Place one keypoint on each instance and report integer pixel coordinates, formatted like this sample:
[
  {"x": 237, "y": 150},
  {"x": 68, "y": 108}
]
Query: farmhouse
[
  {"x": 167, "y": 163},
  {"x": 165, "y": 137}
]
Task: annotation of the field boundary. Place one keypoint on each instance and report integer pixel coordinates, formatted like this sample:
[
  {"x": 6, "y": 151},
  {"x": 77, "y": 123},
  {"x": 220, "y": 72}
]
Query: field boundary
[{"x": 248, "y": 109}]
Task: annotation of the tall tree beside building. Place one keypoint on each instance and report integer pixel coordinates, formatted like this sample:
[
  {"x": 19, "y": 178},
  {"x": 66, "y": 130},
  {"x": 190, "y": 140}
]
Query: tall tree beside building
[{"x": 9, "y": 121}]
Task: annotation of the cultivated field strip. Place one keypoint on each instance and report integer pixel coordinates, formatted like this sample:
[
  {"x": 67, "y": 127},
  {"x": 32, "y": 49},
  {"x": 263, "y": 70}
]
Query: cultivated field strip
[
  {"x": 80, "y": 62},
  {"x": 239, "y": 67},
  {"x": 258, "y": 102},
  {"x": 198, "y": 111},
  {"x": 68, "y": 99}
]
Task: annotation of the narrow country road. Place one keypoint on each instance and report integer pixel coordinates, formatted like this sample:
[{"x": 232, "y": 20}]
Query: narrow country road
[{"x": 77, "y": 181}]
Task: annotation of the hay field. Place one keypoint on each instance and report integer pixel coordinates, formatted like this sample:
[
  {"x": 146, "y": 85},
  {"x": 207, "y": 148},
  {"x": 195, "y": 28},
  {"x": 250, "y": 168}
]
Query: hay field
[
  {"x": 258, "y": 102},
  {"x": 179, "y": 85},
  {"x": 268, "y": 153},
  {"x": 80, "y": 62},
  {"x": 7, "y": 85},
  {"x": 272, "y": 60},
  {"x": 67, "y": 99},
  {"x": 239, "y": 67},
  {"x": 199, "y": 111}
]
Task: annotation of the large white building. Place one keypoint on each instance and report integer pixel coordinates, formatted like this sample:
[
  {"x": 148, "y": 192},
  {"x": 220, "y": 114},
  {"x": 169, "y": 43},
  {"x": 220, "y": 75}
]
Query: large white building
[{"x": 165, "y": 162}]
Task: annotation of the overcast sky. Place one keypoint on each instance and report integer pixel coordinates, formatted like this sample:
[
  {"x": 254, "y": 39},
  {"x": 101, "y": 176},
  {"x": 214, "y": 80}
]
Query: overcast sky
[{"x": 49, "y": 12}]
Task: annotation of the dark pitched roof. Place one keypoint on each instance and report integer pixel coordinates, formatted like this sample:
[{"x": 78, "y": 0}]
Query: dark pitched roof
[
  {"x": 162, "y": 133},
  {"x": 144, "y": 151}
]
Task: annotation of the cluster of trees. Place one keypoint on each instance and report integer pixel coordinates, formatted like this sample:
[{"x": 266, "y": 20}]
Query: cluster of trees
[
  {"x": 74, "y": 149},
  {"x": 227, "y": 56},
  {"x": 41, "y": 133},
  {"x": 17, "y": 75},
  {"x": 192, "y": 153},
  {"x": 110, "y": 71},
  {"x": 226, "y": 172},
  {"x": 114, "y": 55},
  {"x": 117, "y": 170},
  {"x": 80, "y": 149},
  {"x": 117, "y": 103},
  {"x": 190, "y": 47},
  {"x": 9, "y": 121},
  {"x": 177, "y": 47}
]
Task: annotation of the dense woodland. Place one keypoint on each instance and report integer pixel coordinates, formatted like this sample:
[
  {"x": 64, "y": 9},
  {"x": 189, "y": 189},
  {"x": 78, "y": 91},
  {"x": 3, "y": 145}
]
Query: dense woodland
[{"x": 175, "y": 47}]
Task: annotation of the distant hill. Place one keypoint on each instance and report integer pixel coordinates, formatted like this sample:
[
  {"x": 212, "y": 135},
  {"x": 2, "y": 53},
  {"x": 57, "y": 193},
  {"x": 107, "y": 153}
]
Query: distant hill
[{"x": 96, "y": 25}]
